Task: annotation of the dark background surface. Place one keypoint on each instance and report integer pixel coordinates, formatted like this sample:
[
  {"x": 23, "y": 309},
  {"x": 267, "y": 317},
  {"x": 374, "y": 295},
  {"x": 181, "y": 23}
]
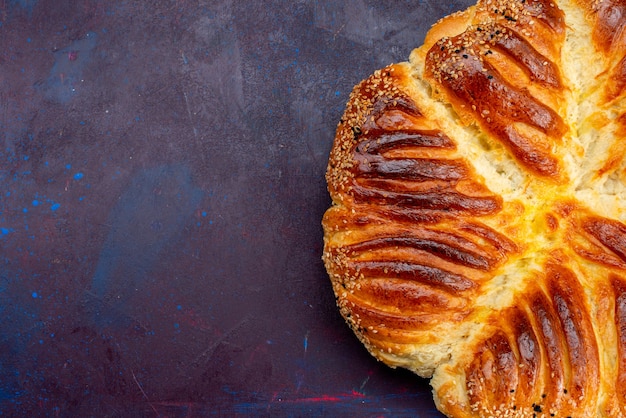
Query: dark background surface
[{"x": 161, "y": 192}]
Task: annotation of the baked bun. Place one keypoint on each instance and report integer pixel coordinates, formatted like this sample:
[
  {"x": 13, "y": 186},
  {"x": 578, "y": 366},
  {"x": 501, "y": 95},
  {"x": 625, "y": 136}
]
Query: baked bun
[{"x": 477, "y": 233}]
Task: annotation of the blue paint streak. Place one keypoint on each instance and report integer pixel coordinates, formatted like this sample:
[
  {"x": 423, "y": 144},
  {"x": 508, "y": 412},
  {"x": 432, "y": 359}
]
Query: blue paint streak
[
  {"x": 17, "y": 339},
  {"x": 65, "y": 76},
  {"x": 27, "y": 5},
  {"x": 149, "y": 217}
]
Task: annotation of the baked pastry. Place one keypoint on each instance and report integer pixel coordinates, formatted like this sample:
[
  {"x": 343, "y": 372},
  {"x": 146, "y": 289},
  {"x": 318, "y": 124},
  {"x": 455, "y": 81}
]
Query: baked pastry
[{"x": 477, "y": 233}]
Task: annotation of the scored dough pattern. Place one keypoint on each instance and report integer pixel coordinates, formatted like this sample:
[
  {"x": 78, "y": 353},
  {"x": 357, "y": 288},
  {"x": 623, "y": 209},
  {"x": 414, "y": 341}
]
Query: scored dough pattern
[{"x": 477, "y": 230}]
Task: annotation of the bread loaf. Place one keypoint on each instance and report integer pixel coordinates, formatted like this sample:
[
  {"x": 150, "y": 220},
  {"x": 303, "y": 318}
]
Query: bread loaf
[{"x": 477, "y": 234}]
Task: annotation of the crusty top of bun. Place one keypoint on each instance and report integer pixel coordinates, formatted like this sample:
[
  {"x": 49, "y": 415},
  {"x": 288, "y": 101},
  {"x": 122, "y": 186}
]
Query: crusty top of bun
[{"x": 477, "y": 230}]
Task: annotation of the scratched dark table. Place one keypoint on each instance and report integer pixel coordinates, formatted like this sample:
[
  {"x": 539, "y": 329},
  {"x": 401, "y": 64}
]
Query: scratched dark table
[{"x": 161, "y": 191}]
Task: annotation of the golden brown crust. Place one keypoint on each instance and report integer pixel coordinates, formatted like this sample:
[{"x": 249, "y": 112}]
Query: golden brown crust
[
  {"x": 485, "y": 73},
  {"x": 549, "y": 340},
  {"x": 477, "y": 234}
]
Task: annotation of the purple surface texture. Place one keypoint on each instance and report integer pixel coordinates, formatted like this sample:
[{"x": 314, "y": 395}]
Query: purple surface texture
[{"x": 161, "y": 191}]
